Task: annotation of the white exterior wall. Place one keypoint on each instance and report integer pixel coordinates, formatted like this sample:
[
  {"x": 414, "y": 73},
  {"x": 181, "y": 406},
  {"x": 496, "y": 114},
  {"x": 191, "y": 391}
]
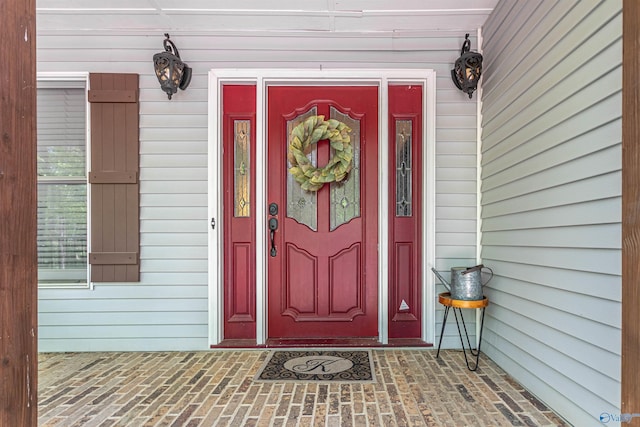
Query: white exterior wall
[
  {"x": 551, "y": 200},
  {"x": 167, "y": 310}
]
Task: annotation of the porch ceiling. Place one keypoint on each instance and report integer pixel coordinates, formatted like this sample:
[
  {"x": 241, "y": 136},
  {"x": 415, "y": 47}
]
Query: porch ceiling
[{"x": 220, "y": 16}]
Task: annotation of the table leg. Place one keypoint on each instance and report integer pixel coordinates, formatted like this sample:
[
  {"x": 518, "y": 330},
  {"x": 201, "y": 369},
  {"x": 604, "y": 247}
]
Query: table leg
[
  {"x": 475, "y": 353},
  {"x": 444, "y": 322}
]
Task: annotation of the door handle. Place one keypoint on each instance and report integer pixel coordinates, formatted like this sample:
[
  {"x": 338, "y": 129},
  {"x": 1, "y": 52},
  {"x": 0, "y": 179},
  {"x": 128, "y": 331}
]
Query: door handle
[{"x": 273, "y": 226}]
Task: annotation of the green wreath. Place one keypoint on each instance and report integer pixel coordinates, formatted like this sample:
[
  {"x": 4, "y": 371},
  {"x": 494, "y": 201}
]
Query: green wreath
[{"x": 301, "y": 141}]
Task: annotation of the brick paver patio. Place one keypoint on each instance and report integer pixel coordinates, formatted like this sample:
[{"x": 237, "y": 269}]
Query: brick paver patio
[{"x": 216, "y": 388}]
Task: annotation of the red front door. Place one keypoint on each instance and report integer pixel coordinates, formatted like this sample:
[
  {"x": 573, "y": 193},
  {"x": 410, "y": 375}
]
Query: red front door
[{"x": 322, "y": 269}]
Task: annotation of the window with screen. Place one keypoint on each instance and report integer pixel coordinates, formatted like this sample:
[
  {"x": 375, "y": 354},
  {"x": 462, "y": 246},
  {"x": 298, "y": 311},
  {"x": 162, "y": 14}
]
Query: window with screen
[{"x": 62, "y": 182}]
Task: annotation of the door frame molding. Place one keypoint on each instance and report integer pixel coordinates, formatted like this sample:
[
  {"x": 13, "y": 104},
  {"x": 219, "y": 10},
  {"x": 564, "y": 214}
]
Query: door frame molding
[{"x": 263, "y": 78}]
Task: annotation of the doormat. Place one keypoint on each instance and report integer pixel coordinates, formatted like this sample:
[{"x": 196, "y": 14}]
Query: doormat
[{"x": 331, "y": 366}]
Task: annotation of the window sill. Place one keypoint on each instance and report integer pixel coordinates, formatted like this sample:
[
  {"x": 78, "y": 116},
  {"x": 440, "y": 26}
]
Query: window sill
[{"x": 62, "y": 285}]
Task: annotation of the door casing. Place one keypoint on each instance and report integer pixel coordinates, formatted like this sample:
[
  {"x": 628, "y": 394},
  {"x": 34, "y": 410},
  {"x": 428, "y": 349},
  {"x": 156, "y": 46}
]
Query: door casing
[{"x": 264, "y": 78}]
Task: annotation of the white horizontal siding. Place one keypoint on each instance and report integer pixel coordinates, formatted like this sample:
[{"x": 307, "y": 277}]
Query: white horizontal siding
[
  {"x": 551, "y": 208},
  {"x": 167, "y": 309}
]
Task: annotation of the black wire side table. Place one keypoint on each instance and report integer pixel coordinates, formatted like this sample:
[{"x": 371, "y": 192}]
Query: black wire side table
[{"x": 457, "y": 304}]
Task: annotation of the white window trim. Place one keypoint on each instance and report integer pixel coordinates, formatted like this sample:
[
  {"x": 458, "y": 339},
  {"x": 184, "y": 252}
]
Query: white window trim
[
  {"x": 262, "y": 78},
  {"x": 75, "y": 77}
]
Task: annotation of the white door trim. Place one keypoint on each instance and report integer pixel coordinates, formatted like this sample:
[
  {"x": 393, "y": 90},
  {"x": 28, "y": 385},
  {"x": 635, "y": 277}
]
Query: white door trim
[{"x": 263, "y": 78}]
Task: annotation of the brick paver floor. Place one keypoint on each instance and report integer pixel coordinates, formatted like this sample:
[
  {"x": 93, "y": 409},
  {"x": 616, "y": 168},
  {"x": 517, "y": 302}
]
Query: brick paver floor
[{"x": 216, "y": 388}]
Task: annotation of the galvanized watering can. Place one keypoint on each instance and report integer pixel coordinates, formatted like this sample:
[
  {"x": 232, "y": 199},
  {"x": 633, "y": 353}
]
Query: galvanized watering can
[{"x": 466, "y": 282}]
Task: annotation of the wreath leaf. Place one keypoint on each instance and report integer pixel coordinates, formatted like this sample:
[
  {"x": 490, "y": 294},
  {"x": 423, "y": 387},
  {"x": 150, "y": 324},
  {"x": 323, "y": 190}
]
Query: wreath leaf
[{"x": 337, "y": 145}]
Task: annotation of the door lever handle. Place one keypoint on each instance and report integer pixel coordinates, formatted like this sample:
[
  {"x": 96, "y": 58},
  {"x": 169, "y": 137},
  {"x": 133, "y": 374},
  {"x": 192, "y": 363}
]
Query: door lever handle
[{"x": 273, "y": 226}]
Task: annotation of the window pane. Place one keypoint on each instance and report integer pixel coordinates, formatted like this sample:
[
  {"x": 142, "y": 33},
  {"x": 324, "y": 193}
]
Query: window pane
[
  {"x": 345, "y": 195},
  {"x": 242, "y": 168},
  {"x": 302, "y": 205},
  {"x": 61, "y": 132},
  {"x": 404, "y": 189},
  {"x": 62, "y": 229},
  {"x": 62, "y": 185}
]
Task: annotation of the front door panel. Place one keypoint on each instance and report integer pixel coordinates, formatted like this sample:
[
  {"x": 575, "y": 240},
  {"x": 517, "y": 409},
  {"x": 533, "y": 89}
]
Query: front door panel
[{"x": 322, "y": 280}]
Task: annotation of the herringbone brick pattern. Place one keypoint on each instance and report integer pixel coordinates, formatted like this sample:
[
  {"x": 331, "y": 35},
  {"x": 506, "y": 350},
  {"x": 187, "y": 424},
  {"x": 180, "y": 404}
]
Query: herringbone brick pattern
[{"x": 216, "y": 388}]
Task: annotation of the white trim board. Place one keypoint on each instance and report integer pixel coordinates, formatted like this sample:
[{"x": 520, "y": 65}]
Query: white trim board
[{"x": 263, "y": 78}]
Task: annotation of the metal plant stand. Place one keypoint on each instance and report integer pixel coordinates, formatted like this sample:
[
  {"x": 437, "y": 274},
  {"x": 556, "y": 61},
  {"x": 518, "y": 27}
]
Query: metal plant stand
[{"x": 446, "y": 300}]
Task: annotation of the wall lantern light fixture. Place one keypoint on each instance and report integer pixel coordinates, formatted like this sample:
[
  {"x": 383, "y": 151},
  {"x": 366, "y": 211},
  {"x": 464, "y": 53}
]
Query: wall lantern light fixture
[
  {"x": 467, "y": 69},
  {"x": 172, "y": 73}
]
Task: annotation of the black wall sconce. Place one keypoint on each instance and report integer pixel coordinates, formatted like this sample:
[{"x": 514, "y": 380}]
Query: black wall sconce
[
  {"x": 171, "y": 72},
  {"x": 467, "y": 69}
]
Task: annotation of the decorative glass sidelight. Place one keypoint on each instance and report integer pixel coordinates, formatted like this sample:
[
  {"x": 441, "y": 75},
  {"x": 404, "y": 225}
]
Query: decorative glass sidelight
[
  {"x": 302, "y": 205},
  {"x": 242, "y": 167},
  {"x": 345, "y": 195},
  {"x": 403, "y": 168}
]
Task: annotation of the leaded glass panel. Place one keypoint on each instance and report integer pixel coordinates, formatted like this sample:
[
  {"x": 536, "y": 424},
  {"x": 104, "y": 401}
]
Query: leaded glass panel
[
  {"x": 302, "y": 205},
  {"x": 242, "y": 167},
  {"x": 403, "y": 168},
  {"x": 345, "y": 195}
]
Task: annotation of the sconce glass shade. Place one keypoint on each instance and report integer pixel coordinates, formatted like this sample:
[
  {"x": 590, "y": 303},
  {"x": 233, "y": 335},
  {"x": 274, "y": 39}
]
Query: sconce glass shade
[
  {"x": 467, "y": 69},
  {"x": 172, "y": 73}
]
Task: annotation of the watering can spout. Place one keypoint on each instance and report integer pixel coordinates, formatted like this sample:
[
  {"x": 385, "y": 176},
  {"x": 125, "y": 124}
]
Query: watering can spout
[{"x": 444, "y": 282}]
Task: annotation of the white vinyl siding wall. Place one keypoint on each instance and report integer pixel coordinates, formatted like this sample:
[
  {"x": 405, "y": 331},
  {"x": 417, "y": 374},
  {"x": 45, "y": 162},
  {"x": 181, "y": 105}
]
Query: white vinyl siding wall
[
  {"x": 551, "y": 200},
  {"x": 167, "y": 310}
]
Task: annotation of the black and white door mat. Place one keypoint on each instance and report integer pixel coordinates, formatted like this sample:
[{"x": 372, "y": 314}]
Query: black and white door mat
[{"x": 318, "y": 365}]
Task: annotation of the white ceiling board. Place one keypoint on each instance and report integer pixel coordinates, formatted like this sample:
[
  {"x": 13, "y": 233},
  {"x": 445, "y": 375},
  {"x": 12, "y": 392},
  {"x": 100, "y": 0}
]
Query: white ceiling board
[
  {"x": 433, "y": 5},
  {"x": 190, "y": 16},
  {"x": 344, "y": 5}
]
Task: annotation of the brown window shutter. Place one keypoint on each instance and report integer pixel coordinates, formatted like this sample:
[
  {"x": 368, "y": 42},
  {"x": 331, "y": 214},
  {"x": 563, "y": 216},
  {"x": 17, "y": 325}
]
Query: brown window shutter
[{"x": 114, "y": 170}]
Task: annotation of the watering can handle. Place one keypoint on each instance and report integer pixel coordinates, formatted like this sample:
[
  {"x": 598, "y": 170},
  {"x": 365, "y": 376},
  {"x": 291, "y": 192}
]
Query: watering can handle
[
  {"x": 474, "y": 268},
  {"x": 479, "y": 267},
  {"x": 491, "y": 277}
]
